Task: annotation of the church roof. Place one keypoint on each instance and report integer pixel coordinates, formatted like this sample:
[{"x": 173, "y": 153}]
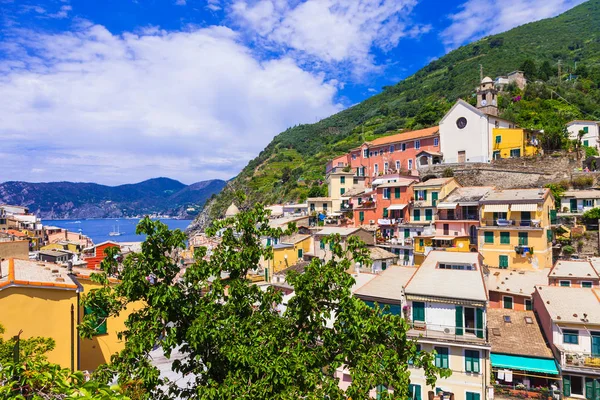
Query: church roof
[
  {"x": 232, "y": 210},
  {"x": 487, "y": 79}
]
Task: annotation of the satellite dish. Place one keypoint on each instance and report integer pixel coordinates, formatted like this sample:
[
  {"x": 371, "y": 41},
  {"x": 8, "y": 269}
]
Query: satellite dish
[{"x": 484, "y": 102}]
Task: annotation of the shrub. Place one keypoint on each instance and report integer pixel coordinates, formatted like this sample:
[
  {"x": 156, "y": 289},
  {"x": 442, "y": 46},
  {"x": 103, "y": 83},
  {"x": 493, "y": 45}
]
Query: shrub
[
  {"x": 568, "y": 250},
  {"x": 582, "y": 182},
  {"x": 448, "y": 173},
  {"x": 592, "y": 215}
]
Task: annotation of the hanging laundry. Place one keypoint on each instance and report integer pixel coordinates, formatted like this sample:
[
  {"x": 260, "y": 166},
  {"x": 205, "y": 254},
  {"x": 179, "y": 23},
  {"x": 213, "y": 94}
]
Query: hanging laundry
[
  {"x": 500, "y": 375},
  {"x": 508, "y": 375}
]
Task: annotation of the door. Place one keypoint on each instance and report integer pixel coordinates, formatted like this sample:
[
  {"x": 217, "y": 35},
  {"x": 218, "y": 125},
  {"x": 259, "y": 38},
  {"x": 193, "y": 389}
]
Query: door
[
  {"x": 469, "y": 320},
  {"x": 573, "y": 203},
  {"x": 446, "y": 229},
  {"x": 525, "y": 218},
  {"x": 462, "y": 156},
  {"x": 473, "y": 234}
]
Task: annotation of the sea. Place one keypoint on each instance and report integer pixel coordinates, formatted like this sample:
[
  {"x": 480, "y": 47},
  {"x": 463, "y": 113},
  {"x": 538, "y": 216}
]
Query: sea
[{"x": 98, "y": 229}]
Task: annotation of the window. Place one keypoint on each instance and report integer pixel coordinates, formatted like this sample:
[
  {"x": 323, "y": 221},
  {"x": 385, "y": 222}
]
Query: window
[
  {"x": 101, "y": 316},
  {"x": 496, "y": 122},
  {"x": 359, "y": 201},
  {"x": 268, "y": 241},
  {"x": 503, "y": 261},
  {"x": 410, "y": 361},
  {"x": 299, "y": 253},
  {"x": 515, "y": 153},
  {"x": 418, "y": 311},
  {"x": 361, "y": 216},
  {"x": 397, "y": 165},
  {"x": 324, "y": 206},
  {"x": 504, "y": 237},
  {"x": 385, "y": 213},
  {"x": 428, "y": 214},
  {"x": 385, "y": 168},
  {"x": 508, "y": 302},
  {"x": 565, "y": 283},
  {"x": 342, "y": 180},
  {"x": 403, "y": 146},
  {"x": 386, "y": 193},
  {"x": 570, "y": 336},
  {"x": 461, "y": 122},
  {"x": 417, "y": 144},
  {"x": 397, "y": 193},
  {"x": 392, "y": 149},
  {"x": 472, "y": 361},
  {"x": 488, "y": 237},
  {"x": 588, "y": 203},
  {"x": 342, "y": 191},
  {"x": 528, "y": 305},
  {"x": 376, "y": 168},
  {"x": 371, "y": 154},
  {"x": 586, "y": 284},
  {"x": 366, "y": 153},
  {"x": 523, "y": 238},
  {"x": 312, "y": 206},
  {"x": 586, "y": 143},
  {"x": 462, "y": 267},
  {"x": 354, "y": 156},
  {"x": 441, "y": 357},
  {"x": 498, "y": 139},
  {"x": 586, "y": 129},
  {"x": 436, "y": 141},
  {"x": 472, "y": 396},
  {"x": 416, "y": 215},
  {"x": 496, "y": 155},
  {"x": 415, "y": 392},
  {"x": 410, "y": 163},
  {"x": 355, "y": 181}
]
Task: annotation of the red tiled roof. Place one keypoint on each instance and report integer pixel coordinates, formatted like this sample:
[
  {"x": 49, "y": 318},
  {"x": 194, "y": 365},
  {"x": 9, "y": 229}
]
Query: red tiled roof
[
  {"x": 15, "y": 233},
  {"x": 401, "y": 137}
]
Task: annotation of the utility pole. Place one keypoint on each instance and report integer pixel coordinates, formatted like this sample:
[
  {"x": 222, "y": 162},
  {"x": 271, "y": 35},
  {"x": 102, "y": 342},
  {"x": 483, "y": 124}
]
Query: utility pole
[
  {"x": 480, "y": 72},
  {"x": 559, "y": 65}
]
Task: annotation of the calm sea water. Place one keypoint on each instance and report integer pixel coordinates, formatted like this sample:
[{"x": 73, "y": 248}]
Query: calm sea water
[{"x": 98, "y": 229}]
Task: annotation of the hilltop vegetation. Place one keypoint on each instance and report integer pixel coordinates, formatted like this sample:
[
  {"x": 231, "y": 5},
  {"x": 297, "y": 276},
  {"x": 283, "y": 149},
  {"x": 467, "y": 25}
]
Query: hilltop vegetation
[{"x": 292, "y": 166}]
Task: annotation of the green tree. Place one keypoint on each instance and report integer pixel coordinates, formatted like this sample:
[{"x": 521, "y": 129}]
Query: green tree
[
  {"x": 529, "y": 69},
  {"x": 546, "y": 71},
  {"x": 591, "y": 216},
  {"x": 233, "y": 340},
  {"x": 34, "y": 348}
]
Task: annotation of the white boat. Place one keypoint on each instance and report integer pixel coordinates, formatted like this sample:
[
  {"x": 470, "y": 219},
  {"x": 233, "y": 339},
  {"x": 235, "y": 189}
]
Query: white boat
[{"x": 116, "y": 232}]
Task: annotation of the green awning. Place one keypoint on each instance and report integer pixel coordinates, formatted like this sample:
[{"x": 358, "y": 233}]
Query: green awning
[{"x": 531, "y": 364}]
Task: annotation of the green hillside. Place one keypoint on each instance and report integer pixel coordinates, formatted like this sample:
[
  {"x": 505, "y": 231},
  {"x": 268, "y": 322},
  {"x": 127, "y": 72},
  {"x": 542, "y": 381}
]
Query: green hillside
[{"x": 292, "y": 166}]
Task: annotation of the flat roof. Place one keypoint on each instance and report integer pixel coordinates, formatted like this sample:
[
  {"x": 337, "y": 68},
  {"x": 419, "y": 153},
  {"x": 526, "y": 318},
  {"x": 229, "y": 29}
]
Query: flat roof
[
  {"x": 516, "y": 195},
  {"x": 399, "y": 183},
  {"x": 573, "y": 269},
  {"x": 388, "y": 284},
  {"x": 294, "y": 238},
  {"x": 582, "y": 194},
  {"x": 322, "y": 199},
  {"x": 429, "y": 280},
  {"x": 516, "y": 282},
  {"x": 509, "y": 337},
  {"x": 35, "y": 273},
  {"x": 467, "y": 194},
  {"x": 433, "y": 182},
  {"x": 331, "y": 230},
  {"x": 569, "y": 304}
]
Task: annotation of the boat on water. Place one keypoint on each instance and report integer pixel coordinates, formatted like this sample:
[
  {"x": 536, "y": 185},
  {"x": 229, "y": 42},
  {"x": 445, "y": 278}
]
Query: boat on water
[{"x": 116, "y": 232}]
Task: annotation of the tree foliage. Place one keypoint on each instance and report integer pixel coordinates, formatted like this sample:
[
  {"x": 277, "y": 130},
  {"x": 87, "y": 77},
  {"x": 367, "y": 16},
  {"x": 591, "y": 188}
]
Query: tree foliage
[
  {"x": 591, "y": 216},
  {"x": 233, "y": 338}
]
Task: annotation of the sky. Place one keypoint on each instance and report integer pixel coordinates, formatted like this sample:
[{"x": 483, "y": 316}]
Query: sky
[{"x": 119, "y": 91}]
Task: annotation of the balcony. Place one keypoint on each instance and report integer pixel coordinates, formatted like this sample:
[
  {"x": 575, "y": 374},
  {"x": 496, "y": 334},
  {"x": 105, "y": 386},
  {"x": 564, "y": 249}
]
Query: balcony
[
  {"x": 525, "y": 224},
  {"x": 579, "y": 360},
  {"x": 445, "y": 333},
  {"x": 458, "y": 217}
]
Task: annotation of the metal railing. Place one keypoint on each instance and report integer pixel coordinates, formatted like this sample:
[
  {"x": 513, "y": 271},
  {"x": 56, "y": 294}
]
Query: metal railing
[
  {"x": 447, "y": 332},
  {"x": 579, "y": 359},
  {"x": 511, "y": 223},
  {"x": 457, "y": 217}
]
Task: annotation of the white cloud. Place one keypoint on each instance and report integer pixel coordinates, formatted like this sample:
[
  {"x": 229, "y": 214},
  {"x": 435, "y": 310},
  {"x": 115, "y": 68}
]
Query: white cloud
[
  {"x": 479, "y": 18},
  {"x": 88, "y": 105},
  {"x": 330, "y": 31},
  {"x": 180, "y": 2},
  {"x": 62, "y": 13}
]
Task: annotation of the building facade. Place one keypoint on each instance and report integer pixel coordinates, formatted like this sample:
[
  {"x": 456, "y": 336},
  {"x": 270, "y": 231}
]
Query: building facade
[
  {"x": 514, "y": 143},
  {"x": 590, "y": 132}
]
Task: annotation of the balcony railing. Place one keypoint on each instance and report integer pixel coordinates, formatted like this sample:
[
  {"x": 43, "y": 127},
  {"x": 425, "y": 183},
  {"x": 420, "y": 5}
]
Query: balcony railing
[
  {"x": 511, "y": 223},
  {"x": 459, "y": 217},
  {"x": 579, "y": 360},
  {"x": 446, "y": 332}
]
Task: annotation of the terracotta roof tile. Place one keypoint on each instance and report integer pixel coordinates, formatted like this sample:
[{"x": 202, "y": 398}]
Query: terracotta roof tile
[{"x": 404, "y": 136}]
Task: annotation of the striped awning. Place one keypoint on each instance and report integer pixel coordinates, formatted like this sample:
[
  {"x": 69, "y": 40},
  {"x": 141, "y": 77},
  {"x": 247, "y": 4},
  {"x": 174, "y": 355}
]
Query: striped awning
[
  {"x": 524, "y": 207},
  {"x": 397, "y": 207},
  {"x": 495, "y": 208},
  {"x": 447, "y": 206}
]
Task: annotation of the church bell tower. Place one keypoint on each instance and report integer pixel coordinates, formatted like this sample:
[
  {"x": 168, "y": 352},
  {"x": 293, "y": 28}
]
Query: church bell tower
[{"x": 487, "y": 97}]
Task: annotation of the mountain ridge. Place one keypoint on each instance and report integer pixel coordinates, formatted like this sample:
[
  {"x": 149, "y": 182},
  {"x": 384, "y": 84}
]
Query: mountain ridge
[
  {"x": 78, "y": 200},
  {"x": 292, "y": 166}
]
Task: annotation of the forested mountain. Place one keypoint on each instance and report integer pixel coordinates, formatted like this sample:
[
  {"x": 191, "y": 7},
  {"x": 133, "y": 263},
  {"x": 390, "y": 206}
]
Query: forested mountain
[
  {"x": 292, "y": 166},
  {"x": 90, "y": 200}
]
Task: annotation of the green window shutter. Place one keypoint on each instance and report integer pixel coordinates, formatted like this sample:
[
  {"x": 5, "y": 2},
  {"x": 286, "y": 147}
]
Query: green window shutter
[
  {"x": 586, "y": 143},
  {"x": 480, "y": 333},
  {"x": 472, "y": 361},
  {"x": 342, "y": 190},
  {"x": 330, "y": 246},
  {"x": 528, "y": 305},
  {"x": 417, "y": 215},
  {"x": 549, "y": 235},
  {"x": 441, "y": 357},
  {"x": 553, "y": 217},
  {"x": 503, "y": 261},
  {"x": 322, "y": 244},
  {"x": 504, "y": 237},
  {"x": 421, "y": 243},
  {"x": 586, "y": 129},
  {"x": 459, "y": 320},
  {"x": 498, "y": 139},
  {"x": 566, "y": 385},
  {"x": 268, "y": 241},
  {"x": 385, "y": 213},
  {"x": 361, "y": 216},
  {"x": 414, "y": 392},
  {"x": 418, "y": 311},
  {"x": 523, "y": 238},
  {"x": 397, "y": 192},
  {"x": 406, "y": 233},
  {"x": 424, "y": 194},
  {"x": 428, "y": 214},
  {"x": 359, "y": 200},
  {"x": 342, "y": 179},
  {"x": 299, "y": 253},
  {"x": 488, "y": 237},
  {"x": 589, "y": 388},
  {"x": 434, "y": 198},
  {"x": 101, "y": 327}
]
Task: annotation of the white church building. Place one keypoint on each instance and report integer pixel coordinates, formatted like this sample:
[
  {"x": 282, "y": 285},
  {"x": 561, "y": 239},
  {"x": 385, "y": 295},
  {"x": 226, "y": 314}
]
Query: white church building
[{"x": 466, "y": 131}]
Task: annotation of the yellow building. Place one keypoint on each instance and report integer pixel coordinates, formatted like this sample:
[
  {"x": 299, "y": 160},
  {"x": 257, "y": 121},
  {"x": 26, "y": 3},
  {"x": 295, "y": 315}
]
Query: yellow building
[
  {"x": 515, "y": 228},
  {"x": 423, "y": 245},
  {"x": 43, "y": 300},
  {"x": 65, "y": 245},
  {"x": 426, "y": 197},
  {"x": 286, "y": 252},
  {"x": 511, "y": 143}
]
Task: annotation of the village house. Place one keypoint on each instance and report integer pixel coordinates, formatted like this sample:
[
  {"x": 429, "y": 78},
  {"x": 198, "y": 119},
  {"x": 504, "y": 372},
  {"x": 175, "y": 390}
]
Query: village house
[
  {"x": 570, "y": 320},
  {"x": 520, "y": 354},
  {"x": 515, "y": 228},
  {"x": 513, "y": 289},
  {"x": 514, "y": 143},
  {"x": 576, "y": 202},
  {"x": 573, "y": 273},
  {"x": 447, "y": 302},
  {"x": 381, "y": 258},
  {"x": 10, "y": 248},
  {"x": 94, "y": 255},
  {"x": 287, "y": 251},
  {"x": 516, "y": 77},
  {"x": 590, "y": 132},
  {"x": 55, "y": 256},
  {"x": 465, "y": 131},
  {"x": 322, "y": 250}
]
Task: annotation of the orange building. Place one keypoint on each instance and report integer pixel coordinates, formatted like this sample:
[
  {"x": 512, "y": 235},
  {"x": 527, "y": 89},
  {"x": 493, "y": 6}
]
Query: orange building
[{"x": 95, "y": 254}]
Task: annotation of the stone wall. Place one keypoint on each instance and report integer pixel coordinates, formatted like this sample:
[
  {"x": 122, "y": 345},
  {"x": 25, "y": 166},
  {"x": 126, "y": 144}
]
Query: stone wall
[
  {"x": 510, "y": 173},
  {"x": 14, "y": 249}
]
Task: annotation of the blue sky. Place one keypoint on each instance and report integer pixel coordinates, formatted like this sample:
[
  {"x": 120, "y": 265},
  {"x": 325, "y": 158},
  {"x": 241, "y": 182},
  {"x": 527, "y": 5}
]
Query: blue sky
[{"x": 117, "y": 91}]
